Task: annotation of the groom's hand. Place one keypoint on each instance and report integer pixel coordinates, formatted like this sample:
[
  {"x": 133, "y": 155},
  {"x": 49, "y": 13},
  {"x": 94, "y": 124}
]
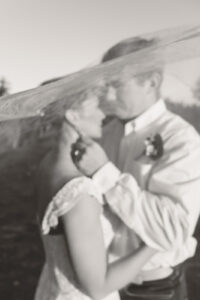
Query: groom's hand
[{"x": 93, "y": 158}]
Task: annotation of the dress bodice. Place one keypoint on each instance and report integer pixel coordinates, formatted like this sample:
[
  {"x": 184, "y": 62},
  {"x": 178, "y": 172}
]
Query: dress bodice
[{"x": 57, "y": 280}]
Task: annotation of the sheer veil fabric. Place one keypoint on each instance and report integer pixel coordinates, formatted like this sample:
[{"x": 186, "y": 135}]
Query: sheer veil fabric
[
  {"x": 171, "y": 45},
  {"x": 27, "y": 116}
]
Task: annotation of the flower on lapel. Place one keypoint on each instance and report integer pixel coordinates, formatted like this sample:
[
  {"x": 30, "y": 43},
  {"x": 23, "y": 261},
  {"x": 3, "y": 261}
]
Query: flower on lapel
[{"x": 154, "y": 147}]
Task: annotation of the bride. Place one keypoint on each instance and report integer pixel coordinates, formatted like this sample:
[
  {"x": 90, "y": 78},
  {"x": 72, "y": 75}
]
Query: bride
[{"x": 76, "y": 227}]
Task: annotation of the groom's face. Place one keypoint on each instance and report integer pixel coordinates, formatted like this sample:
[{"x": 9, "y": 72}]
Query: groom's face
[{"x": 126, "y": 99}]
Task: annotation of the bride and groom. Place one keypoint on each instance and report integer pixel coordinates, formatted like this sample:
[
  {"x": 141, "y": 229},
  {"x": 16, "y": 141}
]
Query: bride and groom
[{"x": 119, "y": 214}]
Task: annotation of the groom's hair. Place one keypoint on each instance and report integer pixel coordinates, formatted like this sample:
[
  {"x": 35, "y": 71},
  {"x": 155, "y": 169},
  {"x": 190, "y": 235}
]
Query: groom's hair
[
  {"x": 128, "y": 46},
  {"x": 133, "y": 45}
]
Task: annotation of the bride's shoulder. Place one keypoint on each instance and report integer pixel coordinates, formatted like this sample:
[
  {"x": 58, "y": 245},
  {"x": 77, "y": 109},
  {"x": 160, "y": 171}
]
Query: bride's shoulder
[
  {"x": 77, "y": 186},
  {"x": 66, "y": 198}
]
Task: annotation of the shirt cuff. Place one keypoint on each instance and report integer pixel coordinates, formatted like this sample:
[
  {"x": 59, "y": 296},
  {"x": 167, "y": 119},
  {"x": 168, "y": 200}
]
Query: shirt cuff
[{"x": 106, "y": 177}]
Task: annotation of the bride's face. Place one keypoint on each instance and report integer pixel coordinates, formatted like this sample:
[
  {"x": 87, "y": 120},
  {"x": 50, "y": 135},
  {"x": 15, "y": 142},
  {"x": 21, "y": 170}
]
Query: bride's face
[{"x": 90, "y": 118}]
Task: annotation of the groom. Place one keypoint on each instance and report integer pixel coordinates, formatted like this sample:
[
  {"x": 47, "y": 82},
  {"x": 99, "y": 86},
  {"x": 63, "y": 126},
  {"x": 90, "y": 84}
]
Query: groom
[{"x": 149, "y": 172}]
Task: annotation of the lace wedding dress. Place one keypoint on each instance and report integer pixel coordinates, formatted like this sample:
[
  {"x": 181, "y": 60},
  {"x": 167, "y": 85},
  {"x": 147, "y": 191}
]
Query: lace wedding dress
[{"x": 57, "y": 280}]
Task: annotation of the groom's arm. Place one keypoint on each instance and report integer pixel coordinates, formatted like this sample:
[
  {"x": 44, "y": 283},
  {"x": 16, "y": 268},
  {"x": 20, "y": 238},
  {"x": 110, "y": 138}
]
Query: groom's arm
[
  {"x": 165, "y": 215},
  {"x": 163, "y": 220}
]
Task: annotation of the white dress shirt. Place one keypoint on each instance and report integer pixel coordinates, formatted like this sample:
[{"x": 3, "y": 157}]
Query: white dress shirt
[{"x": 157, "y": 200}]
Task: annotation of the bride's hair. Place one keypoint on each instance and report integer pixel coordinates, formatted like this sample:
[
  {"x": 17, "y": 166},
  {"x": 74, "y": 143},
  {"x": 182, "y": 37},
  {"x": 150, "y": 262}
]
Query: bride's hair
[
  {"x": 75, "y": 106},
  {"x": 55, "y": 114}
]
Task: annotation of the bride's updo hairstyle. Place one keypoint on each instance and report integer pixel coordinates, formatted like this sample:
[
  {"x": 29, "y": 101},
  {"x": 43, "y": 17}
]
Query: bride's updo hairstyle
[
  {"x": 76, "y": 108},
  {"x": 84, "y": 100},
  {"x": 56, "y": 114}
]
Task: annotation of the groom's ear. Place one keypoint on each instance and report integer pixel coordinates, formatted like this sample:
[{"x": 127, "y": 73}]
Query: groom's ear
[{"x": 72, "y": 116}]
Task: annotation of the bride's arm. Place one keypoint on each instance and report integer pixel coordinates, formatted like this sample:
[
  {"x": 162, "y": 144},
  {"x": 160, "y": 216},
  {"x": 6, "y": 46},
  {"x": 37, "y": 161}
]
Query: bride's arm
[{"x": 89, "y": 258}]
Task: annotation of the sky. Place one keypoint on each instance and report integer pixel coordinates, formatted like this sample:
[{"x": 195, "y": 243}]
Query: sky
[{"x": 41, "y": 39}]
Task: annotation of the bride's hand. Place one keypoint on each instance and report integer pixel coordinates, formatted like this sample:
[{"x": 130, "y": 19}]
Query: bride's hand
[{"x": 92, "y": 157}]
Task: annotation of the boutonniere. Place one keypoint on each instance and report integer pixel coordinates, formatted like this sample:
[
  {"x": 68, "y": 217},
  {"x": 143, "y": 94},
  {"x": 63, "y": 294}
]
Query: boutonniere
[{"x": 154, "y": 147}]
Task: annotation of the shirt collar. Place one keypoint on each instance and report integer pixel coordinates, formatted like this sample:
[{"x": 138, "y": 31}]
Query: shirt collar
[{"x": 146, "y": 118}]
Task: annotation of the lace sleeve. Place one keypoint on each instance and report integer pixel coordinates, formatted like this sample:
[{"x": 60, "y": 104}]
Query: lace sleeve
[{"x": 66, "y": 198}]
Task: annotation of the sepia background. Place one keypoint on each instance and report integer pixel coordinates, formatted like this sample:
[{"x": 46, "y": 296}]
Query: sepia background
[{"x": 46, "y": 39}]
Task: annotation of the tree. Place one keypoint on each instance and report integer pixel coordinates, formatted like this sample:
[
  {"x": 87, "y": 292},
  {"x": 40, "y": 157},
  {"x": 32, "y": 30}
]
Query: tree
[
  {"x": 196, "y": 89},
  {"x": 3, "y": 87}
]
